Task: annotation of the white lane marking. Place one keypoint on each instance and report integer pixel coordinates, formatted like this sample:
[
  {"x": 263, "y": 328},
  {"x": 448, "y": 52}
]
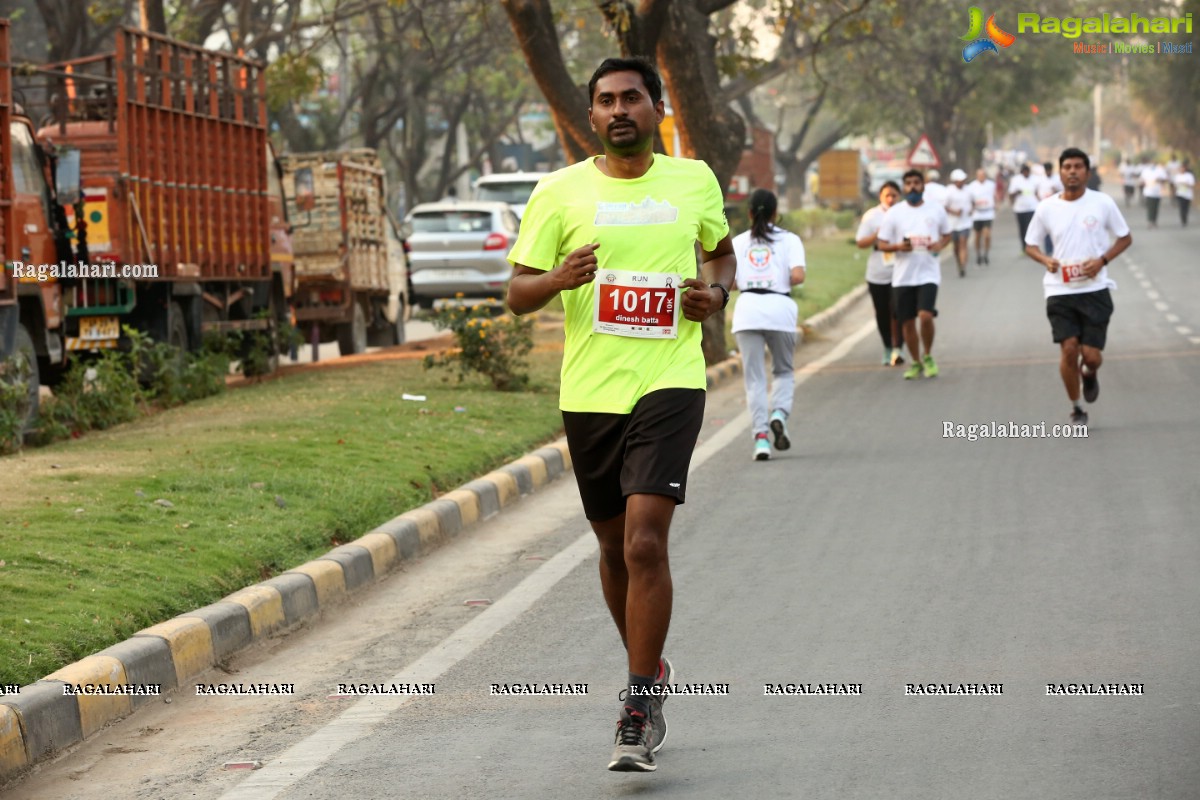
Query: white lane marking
[
  {"x": 1147, "y": 285},
  {"x": 1161, "y": 306},
  {"x": 306, "y": 756},
  {"x": 1172, "y": 318},
  {"x": 1184, "y": 329},
  {"x": 1194, "y": 339},
  {"x": 1153, "y": 295}
]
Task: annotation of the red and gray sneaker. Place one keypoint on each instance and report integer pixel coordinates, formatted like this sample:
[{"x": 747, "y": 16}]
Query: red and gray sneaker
[
  {"x": 632, "y": 751},
  {"x": 666, "y": 677}
]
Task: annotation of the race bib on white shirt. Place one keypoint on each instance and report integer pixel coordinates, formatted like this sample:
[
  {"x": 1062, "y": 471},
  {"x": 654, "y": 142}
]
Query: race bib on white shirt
[
  {"x": 643, "y": 305},
  {"x": 1072, "y": 275}
]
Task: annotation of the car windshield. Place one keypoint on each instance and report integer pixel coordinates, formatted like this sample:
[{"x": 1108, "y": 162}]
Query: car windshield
[
  {"x": 507, "y": 192},
  {"x": 452, "y": 221}
]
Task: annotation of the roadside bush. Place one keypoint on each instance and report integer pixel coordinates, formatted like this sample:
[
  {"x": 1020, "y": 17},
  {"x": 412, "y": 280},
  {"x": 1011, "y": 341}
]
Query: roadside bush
[
  {"x": 14, "y": 401},
  {"x": 492, "y": 346}
]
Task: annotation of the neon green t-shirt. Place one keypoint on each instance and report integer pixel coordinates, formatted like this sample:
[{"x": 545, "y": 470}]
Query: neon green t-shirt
[{"x": 647, "y": 224}]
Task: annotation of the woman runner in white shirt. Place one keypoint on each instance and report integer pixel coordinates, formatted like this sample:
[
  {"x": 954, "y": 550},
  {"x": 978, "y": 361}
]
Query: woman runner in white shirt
[{"x": 770, "y": 261}]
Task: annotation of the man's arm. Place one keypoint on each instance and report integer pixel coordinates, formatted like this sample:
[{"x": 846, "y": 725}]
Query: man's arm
[
  {"x": 718, "y": 265},
  {"x": 1093, "y": 267},
  {"x": 530, "y": 289}
]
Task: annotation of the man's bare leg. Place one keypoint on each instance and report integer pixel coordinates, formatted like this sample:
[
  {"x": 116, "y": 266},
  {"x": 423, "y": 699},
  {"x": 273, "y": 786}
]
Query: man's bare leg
[
  {"x": 614, "y": 578},
  {"x": 926, "y": 331},
  {"x": 649, "y": 587},
  {"x": 1069, "y": 368}
]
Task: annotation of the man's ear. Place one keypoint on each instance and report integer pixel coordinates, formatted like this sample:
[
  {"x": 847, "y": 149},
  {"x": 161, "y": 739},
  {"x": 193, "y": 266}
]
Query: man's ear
[
  {"x": 590, "y": 121},
  {"x": 660, "y": 111}
]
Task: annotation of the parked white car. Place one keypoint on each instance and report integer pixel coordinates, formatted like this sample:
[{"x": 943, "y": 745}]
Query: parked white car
[{"x": 513, "y": 188}]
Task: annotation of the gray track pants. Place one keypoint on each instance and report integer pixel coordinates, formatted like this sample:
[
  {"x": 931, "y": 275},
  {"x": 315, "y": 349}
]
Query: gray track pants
[{"x": 754, "y": 345}]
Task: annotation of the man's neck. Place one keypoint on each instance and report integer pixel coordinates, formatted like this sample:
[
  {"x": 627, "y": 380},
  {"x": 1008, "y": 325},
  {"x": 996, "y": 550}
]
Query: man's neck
[
  {"x": 625, "y": 167},
  {"x": 1069, "y": 195}
]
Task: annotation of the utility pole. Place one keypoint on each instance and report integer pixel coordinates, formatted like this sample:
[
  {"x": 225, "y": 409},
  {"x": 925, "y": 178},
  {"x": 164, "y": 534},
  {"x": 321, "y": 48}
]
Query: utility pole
[{"x": 1096, "y": 154}]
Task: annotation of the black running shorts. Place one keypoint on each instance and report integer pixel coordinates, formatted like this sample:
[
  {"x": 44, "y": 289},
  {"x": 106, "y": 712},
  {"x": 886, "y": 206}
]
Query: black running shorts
[
  {"x": 647, "y": 451},
  {"x": 911, "y": 299},
  {"x": 1082, "y": 316},
  {"x": 980, "y": 224},
  {"x": 963, "y": 234}
]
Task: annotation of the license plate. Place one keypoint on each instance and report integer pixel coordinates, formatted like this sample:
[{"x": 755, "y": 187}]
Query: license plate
[
  {"x": 450, "y": 274},
  {"x": 99, "y": 328}
]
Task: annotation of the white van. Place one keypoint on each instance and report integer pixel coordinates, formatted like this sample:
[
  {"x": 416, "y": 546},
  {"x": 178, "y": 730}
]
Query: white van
[{"x": 513, "y": 188}]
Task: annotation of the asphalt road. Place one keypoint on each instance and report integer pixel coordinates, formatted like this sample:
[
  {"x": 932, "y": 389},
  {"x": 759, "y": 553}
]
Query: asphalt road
[{"x": 875, "y": 552}]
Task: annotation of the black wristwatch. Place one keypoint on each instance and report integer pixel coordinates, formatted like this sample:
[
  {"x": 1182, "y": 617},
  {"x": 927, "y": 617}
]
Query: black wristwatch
[{"x": 724, "y": 291}]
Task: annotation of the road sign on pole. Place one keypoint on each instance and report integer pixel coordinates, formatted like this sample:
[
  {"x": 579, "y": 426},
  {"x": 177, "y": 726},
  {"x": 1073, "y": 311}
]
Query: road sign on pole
[{"x": 923, "y": 156}]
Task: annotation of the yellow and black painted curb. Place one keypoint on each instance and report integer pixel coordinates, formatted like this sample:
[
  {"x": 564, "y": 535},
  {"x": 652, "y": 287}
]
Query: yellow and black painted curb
[{"x": 44, "y": 718}]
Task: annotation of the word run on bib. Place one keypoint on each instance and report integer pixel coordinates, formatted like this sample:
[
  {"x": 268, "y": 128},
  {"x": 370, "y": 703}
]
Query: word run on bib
[{"x": 639, "y": 304}]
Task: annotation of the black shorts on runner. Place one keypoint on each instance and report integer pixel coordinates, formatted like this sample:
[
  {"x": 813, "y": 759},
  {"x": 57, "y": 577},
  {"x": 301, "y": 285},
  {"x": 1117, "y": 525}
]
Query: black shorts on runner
[
  {"x": 647, "y": 451},
  {"x": 965, "y": 233},
  {"x": 980, "y": 224},
  {"x": 911, "y": 299},
  {"x": 1083, "y": 316}
]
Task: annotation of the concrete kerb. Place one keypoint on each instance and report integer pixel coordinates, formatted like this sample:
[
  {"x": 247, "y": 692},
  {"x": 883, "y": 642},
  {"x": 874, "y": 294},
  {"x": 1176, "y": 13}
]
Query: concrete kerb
[{"x": 42, "y": 720}]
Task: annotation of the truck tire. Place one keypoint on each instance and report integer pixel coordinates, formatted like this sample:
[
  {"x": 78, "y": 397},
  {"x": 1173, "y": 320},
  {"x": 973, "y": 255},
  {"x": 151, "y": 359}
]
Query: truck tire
[
  {"x": 177, "y": 333},
  {"x": 352, "y": 335},
  {"x": 27, "y": 373}
]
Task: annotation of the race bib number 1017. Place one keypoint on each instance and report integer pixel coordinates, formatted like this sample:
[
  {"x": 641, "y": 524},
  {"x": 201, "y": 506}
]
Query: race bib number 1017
[{"x": 639, "y": 304}]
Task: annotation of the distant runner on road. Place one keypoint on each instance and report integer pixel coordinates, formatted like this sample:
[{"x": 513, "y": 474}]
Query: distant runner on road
[
  {"x": 959, "y": 210},
  {"x": 770, "y": 261},
  {"x": 1022, "y": 190},
  {"x": 983, "y": 201},
  {"x": 1185, "y": 187},
  {"x": 879, "y": 275},
  {"x": 1082, "y": 223},
  {"x": 616, "y": 235},
  {"x": 916, "y": 231}
]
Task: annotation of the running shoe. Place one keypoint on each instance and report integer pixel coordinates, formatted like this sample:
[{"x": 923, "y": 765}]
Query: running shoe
[
  {"x": 762, "y": 447},
  {"x": 631, "y": 752},
  {"x": 986, "y": 261},
  {"x": 779, "y": 429},
  {"x": 897, "y": 357},
  {"x": 1079, "y": 416},
  {"x": 978, "y": 259},
  {"x": 658, "y": 732},
  {"x": 887, "y": 356},
  {"x": 913, "y": 372},
  {"x": 928, "y": 368},
  {"x": 1091, "y": 386}
]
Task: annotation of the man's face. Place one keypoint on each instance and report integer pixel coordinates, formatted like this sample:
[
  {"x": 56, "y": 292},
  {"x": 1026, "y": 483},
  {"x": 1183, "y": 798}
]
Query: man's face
[
  {"x": 622, "y": 114},
  {"x": 1025, "y": 171},
  {"x": 888, "y": 196},
  {"x": 1073, "y": 173},
  {"x": 980, "y": 175},
  {"x": 914, "y": 183}
]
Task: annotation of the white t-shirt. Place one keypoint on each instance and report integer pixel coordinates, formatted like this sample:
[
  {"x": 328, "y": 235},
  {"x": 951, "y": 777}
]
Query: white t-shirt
[
  {"x": 1152, "y": 181},
  {"x": 1129, "y": 174},
  {"x": 1185, "y": 184},
  {"x": 879, "y": 265},
  {"x": 1049, "y": 186},
  {"x": 934, "y": 193},
  {"x": 1026, "y": 191},
  {"x": 923, "y": 225},
  {"x": 1080, "y": 230},
  {"x": 958, "y": 208},
  {"x": 983, "y": 199},
  {"x": 766, "y": 266}
]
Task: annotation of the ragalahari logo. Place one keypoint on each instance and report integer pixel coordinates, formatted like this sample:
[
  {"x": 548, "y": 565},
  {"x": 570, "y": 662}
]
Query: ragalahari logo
[{"x": 995, "y": 36}]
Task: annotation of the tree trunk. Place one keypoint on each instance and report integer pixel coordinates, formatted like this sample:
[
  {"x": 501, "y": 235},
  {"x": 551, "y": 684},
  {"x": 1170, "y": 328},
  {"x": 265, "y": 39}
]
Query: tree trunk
[{"x": 154, "y": 19}]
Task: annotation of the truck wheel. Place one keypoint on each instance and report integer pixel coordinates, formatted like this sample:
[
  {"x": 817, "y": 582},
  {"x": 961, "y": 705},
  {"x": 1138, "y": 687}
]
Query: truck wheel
[
  {"x": 177, "y": 335},
  {"x": 21, "y": 369},
  {"x": 352, "y": 336}
]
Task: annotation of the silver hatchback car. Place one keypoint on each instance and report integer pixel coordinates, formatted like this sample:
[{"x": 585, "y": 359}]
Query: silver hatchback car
[{"x": 460, "y": 247}]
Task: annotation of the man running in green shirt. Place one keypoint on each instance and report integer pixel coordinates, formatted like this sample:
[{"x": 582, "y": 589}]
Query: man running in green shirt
[{"x": 616, "y": 235}]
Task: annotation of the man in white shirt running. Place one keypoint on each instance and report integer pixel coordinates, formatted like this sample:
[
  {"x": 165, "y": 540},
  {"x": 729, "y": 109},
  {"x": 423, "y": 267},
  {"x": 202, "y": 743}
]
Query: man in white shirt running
[
  {"x": 1185, "y": 186},
  {"x": 1088, "y": 232},
  {"x": 959, "y": 210},
  {"x": 934, "y": 192},
  {"x": 1022, "y": 193},
  {"x": 983, "y": 200},
  {"x": 916, "y": 232},
  {"x": 1154, "y": 180}
]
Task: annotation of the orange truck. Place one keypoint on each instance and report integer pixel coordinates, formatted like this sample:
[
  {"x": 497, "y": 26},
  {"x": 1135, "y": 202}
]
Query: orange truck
[
  {"x": 33, "y": 231},
  {"x": 182, "y": 231},
  {"x": 350, "y": 263}
]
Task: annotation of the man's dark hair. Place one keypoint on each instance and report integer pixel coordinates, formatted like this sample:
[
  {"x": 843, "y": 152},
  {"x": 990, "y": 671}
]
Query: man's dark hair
[
  {"x": 1024, "y": 168},
  {"x": 1074, "y": 152},
  {"x": 911, "y": 173},
  {"x": 763, "y": 205},
  {"x": 890, "y": 185},
  {"x": 1048, "y": 167},
  {"x": 637, "y": 64}
]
